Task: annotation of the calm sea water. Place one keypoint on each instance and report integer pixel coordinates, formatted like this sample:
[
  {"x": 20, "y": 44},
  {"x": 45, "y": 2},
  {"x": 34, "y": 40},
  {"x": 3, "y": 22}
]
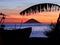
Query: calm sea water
[{"x": 37, "y": 29}]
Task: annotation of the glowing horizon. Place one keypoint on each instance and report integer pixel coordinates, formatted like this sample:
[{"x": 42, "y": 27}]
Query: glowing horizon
[{"x": 44, "y": 17}]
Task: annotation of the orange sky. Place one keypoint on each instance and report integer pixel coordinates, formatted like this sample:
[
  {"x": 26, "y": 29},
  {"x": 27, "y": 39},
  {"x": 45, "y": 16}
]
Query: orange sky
[{"x": 13, "y": 16}]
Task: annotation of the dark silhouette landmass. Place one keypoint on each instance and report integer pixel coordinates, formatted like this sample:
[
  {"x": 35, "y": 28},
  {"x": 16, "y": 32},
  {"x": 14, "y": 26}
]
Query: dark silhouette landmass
[
  {"x": 55, "y": 30},
  {"x": 9, "y": 37},
  {"x": 32, "y": 21}
]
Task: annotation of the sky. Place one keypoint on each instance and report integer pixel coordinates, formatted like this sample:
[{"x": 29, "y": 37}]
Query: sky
[{"x": 12, "y": 8}]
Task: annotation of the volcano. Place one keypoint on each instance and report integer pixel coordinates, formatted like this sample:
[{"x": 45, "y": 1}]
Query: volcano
[{"x": 32, "y": 21}]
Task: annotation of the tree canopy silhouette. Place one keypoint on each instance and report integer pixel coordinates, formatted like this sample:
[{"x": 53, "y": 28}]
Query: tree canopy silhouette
[{"x": 41, "y": 8}]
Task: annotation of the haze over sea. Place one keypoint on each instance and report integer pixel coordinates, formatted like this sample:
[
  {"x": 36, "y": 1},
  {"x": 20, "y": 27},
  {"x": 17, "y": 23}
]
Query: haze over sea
[{"x": 37, "y": 29}]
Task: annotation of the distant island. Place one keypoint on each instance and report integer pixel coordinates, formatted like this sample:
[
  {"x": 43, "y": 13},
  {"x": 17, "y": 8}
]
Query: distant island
[{"x": 32, "y": 21}]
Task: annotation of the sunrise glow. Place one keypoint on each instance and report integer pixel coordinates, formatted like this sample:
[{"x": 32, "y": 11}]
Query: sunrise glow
[{"x": 13, "y": 12}]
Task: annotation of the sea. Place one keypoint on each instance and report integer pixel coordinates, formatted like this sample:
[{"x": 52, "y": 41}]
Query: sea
[{"x": 38, "y": 30}]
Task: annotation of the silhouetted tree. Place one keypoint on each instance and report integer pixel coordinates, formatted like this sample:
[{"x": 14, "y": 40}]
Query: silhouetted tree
[
  {"x": 2, "y": 20},
  {"x": 40, "y": 8},
  {"x": 54, "y": 33}
]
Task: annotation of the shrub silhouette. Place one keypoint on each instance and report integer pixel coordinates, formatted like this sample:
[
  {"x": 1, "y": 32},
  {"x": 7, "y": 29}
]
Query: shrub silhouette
[{"x": 54, "y": 33}]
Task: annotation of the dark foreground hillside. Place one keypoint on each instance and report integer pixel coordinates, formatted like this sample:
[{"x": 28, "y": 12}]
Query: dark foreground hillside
[{"x": 20, "y": 37}]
